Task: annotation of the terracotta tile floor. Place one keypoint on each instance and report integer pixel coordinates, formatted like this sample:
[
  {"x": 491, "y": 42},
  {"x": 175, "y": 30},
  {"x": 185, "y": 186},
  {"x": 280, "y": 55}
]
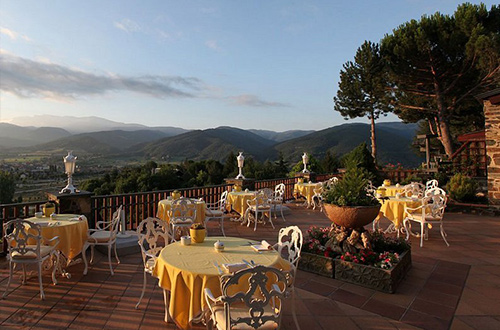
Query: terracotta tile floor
[{"x": 455, "y": 287}]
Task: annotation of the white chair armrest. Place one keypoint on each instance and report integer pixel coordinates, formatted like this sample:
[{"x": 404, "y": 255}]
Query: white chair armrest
[
  {"x": 53, "y": 239},
  {"x": 211, "y": 300},
  {"x": 98, "y": 225}
]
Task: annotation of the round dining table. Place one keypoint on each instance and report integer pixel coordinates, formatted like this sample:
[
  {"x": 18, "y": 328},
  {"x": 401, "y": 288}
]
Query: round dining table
[
  {"x": 70, "y": 228},
  {"x": 393, "y": 208},
  {"x": 237, "y": 200},
  {"x": 186, "y": 270},
  {"x": 306, "y": 190}
]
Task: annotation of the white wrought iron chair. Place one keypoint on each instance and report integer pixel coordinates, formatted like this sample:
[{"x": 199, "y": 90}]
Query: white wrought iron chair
[
  {"x": 431, "y": 184},
  {"x": 259, "y": 307},
  {"x": 371, "y": 190},
  {"x": 153, "y": 235},
  {"x": 217, "y": 211},
  {"x": 414, "y": 189},
  {"x": 435, "y": 191},
  {"x": 430, "y": 212},
  {"x": 278, "y": 198},
  {"x": 317, "y": 199},
  {"x": 267, "y": 192},
  {"x": 258, "y": 205},
  {"x": 331, "y": 182},
  {"x": 182, "y": 215},
  {"x": 104, "y": 234},
  {"x": 19, "y": 236},
  {"x": 289, "y": 246}
]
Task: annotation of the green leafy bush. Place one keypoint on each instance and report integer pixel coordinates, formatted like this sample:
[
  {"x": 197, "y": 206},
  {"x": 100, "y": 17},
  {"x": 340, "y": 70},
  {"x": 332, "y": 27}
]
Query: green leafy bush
[
  {"x": 462, "y": 188},
  {"x": 351, "y": 189}
]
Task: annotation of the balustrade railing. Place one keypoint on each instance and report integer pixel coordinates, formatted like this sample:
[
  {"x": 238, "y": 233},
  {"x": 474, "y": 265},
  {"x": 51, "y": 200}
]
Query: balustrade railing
[
  {"x": 398, "y": 175},
  {"x": 139, "y": 206}
]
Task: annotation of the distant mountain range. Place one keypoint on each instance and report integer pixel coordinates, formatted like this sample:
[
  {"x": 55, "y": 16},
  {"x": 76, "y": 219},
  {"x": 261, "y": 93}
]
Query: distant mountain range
[{"x": 173, "y": 143}]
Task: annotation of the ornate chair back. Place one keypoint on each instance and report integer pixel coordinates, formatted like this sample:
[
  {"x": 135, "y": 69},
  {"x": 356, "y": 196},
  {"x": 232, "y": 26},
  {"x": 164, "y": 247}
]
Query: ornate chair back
[
  {"x": 268, "y": 193},
  {"x": 266, "y": 287},
  {"x": 183, "y": 210},
  {"x": 370, "y": 189},
  {"x": 279, "y": 191},
  {"x": 17, "y": 233},
  {"x": 431, "y": 184},
  {"x": 414, "y": 189},
  {"x": 331, "y": 182},
  {"x": 153, "y": 236},
  {"x": 290, "y": 239},
  {"x": 223, "y": 201},
  {"x": 435, "y": 191},
  {"x": 435, "y": 205}
]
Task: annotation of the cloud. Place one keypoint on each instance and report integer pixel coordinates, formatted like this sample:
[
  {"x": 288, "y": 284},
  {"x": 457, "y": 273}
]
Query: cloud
[
  {"x": 13, "y": 34},
  {"x": 127, "y": 25},
  {"x": 34, "y": 79},
  {"x": 212, "y": 44},
  {"x": 254, "y": 101}
]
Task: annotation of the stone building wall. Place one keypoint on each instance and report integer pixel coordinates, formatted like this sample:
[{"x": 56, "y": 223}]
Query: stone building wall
[{"x": 492, "y": 128}]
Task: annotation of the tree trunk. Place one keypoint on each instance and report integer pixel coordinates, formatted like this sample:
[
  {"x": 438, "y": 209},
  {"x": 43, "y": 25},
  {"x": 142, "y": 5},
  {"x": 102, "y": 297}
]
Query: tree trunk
[
  {"x": 444, "y": 128},
  {"x": 373, "y": 139}
]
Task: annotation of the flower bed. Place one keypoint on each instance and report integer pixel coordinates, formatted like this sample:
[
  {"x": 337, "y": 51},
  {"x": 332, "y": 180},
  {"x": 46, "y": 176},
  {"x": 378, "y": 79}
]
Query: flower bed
[
  {"x": 385, "y": 275},
  {"x": 377, "y": 261}
]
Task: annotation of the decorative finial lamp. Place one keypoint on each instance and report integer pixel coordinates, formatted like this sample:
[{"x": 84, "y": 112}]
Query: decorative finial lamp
[
  {"x": 69, "y": 165},
  {"x": 241, "y": 161},
  {"x": 305, "y": 160}
]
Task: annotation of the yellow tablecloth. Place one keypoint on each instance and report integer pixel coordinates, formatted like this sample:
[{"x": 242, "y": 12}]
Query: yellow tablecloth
[
  {"x": 166, "y": 204},
  {"x": 187, "y": 270},
  {"x": 72, "y": 234},
  {"x": 237, "y": 200},
  {"x": 389, "y": 191},
  {"x": 394, "y": 209},
  {"x": 306, "y": 190}
]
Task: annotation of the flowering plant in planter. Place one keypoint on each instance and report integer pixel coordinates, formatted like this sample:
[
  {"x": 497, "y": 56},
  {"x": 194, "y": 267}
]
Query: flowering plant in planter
[
  {"x": 384, "y": 260},
  {"x": 382, "y": 243},
  {"x": 315, "y": 242}
]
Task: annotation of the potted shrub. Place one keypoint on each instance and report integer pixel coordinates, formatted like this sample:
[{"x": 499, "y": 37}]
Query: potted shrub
[
  {"x": 462, "y": 188},
  {"x": 198, "y": 233},
  {"x": 347, "y": 203},
  {"x": 48, "y": 208}
]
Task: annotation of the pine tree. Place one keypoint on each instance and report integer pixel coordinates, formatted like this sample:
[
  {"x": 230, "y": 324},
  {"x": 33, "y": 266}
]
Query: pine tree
[
  {"x": 363, "y": 88},
  {"x": 438, "y": 64}
]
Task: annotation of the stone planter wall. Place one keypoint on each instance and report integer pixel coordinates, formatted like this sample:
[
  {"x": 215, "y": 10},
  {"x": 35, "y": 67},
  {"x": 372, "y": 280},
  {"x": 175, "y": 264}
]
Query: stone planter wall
[
  {"x": 374, "y": 278},
  {"x": 371, "y": 277},
  {"x": 317, "y": 264}
]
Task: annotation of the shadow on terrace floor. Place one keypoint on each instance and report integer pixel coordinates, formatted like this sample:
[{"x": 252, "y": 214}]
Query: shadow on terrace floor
[{"x": 456, "y": 286}]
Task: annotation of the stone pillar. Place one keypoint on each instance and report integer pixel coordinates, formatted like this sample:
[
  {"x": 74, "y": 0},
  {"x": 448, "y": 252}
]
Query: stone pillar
[
  {"x": 78, "y": 203},
  {"x": 244, "y": 183},
  {"x": 491, "y": 102},
  {"x": 310, "y": 176}
]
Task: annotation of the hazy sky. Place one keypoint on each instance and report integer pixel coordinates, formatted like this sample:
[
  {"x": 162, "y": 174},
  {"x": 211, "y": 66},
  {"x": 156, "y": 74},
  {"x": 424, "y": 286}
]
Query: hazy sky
[{"x": 193, "y": 64}]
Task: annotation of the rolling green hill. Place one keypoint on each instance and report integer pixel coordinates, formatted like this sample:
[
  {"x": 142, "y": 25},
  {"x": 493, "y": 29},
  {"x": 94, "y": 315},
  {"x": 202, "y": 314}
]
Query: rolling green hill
[
  {"x": 103, "y": 142},
  {"x": 393, "y": 141},
  {"x": 213, "y": 143},
  {"x": 13, "y": 136}
]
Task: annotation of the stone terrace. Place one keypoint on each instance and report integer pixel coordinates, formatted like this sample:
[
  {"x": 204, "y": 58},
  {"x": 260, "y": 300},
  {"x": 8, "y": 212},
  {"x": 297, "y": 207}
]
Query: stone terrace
[{"x": 455, "y": 287}]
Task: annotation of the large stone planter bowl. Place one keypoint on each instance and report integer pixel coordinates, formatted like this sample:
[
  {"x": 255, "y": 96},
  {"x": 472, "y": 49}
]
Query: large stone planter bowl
[{"x": 351, "y": 216}]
